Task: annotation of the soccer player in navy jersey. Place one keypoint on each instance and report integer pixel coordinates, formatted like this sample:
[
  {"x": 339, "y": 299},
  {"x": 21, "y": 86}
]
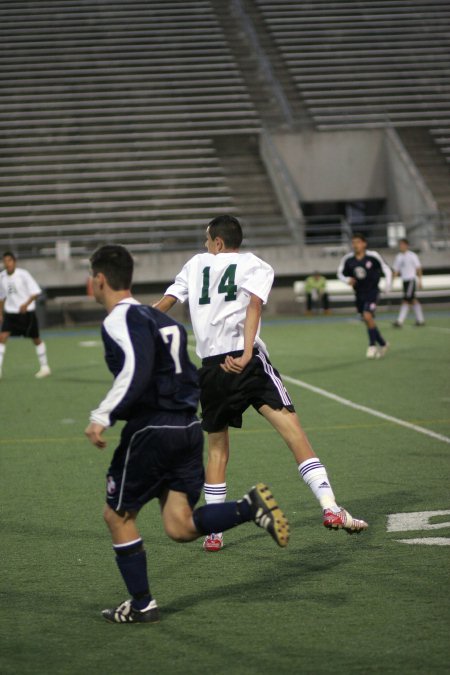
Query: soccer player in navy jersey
[
  {"x": 160, "y": 453},
  {"x": 363, "y": 270}
]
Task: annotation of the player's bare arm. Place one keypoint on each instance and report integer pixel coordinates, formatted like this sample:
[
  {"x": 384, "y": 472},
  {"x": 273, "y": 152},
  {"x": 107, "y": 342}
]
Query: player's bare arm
[
  {"x": 252, "y": 319},
  {"x": 419, "y": 277},
  {"x": 25, "y": 305},
  {"x": 94, "y": 433},
  {"x": 166, "y": 303}
]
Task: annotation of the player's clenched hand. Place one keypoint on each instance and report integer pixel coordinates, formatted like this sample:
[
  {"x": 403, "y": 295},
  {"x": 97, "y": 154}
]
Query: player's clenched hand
[
  {"x": 234, "y": 365},
  {"x": 94, "y": 432}
]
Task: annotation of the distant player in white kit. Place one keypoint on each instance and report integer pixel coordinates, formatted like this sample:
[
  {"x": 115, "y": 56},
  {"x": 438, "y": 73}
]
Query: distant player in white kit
[
  {"x": 18, "y": 293},
  {"x": 407, "y": 266},
  {"x": 226, "y": 290}
]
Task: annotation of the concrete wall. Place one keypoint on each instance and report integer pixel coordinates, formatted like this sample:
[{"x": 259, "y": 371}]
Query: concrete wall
[
  {"x": 162, "y": 267},
  {"x": 335, "y": 165},
  {"x": 407, "y": 192}
]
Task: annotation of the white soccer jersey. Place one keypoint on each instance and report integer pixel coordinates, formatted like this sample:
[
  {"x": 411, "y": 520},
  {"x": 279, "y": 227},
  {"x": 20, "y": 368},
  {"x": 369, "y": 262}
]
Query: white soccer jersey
[
  {"x": 407, "y": 264},
  {"x": 218, "y": 288},
  {"x": 17, "y": 288}
]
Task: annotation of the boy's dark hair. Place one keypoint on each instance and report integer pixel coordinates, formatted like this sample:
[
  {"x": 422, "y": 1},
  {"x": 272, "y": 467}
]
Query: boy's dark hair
[
  {"x": 116, "y": 263},
  {"x": 404, "y": 240},
  {"x": 359, "y": 235},
  {"x": 227, "y": 228},
  {"x": 9, "y": 254}
]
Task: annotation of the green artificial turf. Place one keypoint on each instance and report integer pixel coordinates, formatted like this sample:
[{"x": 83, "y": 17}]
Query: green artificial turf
[{"x": 329, "y": 603}]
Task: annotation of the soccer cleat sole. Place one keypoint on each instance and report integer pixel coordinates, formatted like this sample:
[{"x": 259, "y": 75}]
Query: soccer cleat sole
[{"x": 269, "y": 516}]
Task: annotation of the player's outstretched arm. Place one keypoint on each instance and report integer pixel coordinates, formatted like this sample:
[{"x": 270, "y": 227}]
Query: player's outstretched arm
[{"x": 165, "y": 303}]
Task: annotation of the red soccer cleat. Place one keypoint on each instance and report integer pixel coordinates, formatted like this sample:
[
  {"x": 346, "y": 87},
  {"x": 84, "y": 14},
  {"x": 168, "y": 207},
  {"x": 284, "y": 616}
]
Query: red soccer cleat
[
  {"x": 342, "y": 520},
  {"x": 213, "y": 543}
]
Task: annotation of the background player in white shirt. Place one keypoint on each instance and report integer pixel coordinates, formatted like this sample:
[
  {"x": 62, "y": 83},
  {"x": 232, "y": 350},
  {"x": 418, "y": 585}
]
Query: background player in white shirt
[
  {"x": 407, "y": 266},
  {"x": 226, "y": 290},
  {"x": 18, "y": 293}
]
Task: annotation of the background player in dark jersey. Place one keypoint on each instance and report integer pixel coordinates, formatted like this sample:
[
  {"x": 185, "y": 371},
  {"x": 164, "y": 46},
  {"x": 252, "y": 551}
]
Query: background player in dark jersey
[
  {"x": 160, "y": 453},
  {"x": 363, "y": 269}
]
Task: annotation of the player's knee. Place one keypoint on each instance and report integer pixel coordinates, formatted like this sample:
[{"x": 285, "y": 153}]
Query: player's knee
[
  {"x": 179, "y": 527},
  {"x": 177, "y": 533}
]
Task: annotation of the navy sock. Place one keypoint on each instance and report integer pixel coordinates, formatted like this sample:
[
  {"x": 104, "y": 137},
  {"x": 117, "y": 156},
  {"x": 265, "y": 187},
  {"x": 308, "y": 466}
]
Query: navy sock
[
  {"x": 221, "y": 517},
  {"x": 131, "y": 560},
  {"x": 372, "y": 336},
  {"x": 378, "y": 337}
]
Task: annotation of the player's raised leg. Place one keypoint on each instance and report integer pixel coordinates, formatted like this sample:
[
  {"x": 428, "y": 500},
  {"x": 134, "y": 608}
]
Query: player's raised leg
[
  {"x": 258, "y": 505},
  {"x": 311, "y": 469}
]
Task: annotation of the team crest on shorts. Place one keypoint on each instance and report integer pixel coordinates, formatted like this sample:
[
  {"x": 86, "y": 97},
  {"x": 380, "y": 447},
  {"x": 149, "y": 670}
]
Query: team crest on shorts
[{"x": 110, "y": 485}]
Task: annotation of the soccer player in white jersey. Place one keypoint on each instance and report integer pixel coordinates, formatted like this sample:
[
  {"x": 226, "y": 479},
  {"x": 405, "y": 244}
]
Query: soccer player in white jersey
[
  {"x": 226, "y": 290},
  {"x": 18, "y": 293},
  {"x": 407, "y": 266}
]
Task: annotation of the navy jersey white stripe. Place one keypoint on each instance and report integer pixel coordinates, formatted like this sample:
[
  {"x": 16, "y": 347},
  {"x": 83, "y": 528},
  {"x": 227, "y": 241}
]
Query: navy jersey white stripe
[
  {"x": 146, "y": 351},
  {"x": 268, "y": 369}
]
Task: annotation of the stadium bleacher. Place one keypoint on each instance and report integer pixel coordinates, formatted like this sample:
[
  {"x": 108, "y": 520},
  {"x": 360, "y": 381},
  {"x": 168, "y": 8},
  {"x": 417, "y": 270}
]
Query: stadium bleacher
[
  {"x": 140, "y": 121},
  {"x": 356, "y": 63},
  {"x": 371, "y": 64},
  {"x": 109, "y": 117}
]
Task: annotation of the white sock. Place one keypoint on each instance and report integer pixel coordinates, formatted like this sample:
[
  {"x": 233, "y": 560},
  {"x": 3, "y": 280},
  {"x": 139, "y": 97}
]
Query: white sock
[
  {"x": 418, "y": 312},
  {"x": 41, "y": 352},
  {"x": 2, "y": 353},
  {"x": 215, "y": 493},
  {"x": 315, "y": 476},
  {"x": 404, "y": 310}
]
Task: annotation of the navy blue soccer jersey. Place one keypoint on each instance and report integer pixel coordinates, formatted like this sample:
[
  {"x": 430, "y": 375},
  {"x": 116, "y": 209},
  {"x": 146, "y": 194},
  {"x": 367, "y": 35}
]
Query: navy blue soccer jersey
[
  {"x": 367, "y": 272},
  {"x": 146, "y": 351}
]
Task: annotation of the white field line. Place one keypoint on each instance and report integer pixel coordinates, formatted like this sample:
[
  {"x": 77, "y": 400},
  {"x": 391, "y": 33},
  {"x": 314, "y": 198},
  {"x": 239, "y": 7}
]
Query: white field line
[
  {"x": 356, "y": 406},
  {"x": 439, "y": 329},
  {"x": 363, "y": 408}
]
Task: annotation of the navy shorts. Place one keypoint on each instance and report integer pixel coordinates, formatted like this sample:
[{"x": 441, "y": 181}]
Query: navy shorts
[
  {"x": 409, "y": 289},
  {"x": 367, "y": 303},
  {"x": 225, "y": 396},
  {"x": 158, "y": 452},
  {"x": 21, "y": 325}
]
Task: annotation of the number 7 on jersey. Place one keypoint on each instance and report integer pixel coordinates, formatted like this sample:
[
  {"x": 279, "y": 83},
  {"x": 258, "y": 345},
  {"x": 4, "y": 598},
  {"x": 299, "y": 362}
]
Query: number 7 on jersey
[{"x": 173, "y": 332}]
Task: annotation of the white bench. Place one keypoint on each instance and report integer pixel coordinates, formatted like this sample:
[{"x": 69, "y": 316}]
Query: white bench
[{"x": 433, "y": 286}]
